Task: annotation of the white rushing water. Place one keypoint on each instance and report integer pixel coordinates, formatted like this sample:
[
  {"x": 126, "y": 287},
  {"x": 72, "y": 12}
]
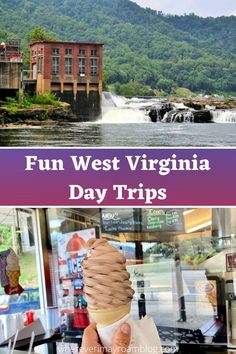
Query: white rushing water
[
  {"x": 125, "y": 115},
  {"x": 118, "y": 109},
  {"x": 224, "y": 116},
  {"x": 178, "y": 117}
]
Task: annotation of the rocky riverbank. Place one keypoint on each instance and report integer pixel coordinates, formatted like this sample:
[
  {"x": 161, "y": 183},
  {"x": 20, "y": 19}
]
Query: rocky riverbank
[
  {"x": 37, "y": 115},
  {"x": 201, "y": 103}
]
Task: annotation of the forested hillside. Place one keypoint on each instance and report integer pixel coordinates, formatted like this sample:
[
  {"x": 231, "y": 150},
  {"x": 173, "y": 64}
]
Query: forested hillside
[{"x": 140, "y": 44}]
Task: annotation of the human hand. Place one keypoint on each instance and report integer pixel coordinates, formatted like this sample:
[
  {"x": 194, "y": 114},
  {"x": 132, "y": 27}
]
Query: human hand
[{"x": 91, "y": 342}]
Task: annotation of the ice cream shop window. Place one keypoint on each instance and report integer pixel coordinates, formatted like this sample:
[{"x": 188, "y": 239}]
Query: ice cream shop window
[
  {"x": 19, "y": 290},
  {"x": 182, "y": 264}
]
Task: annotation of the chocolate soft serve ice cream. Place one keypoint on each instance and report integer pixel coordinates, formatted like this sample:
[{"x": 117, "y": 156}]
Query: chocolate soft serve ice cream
[
  {"x": 107, "y": 286},
  {"x": 108, "y": 292}
]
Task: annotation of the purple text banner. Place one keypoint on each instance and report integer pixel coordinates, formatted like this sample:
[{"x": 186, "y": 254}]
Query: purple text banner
[{"x": 118, "y": 177}]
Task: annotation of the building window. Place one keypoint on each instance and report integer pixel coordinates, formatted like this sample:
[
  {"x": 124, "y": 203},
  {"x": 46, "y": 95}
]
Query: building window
[
  {"x": 68, "y": 65},
  {"x": 68, "y": 51},
  {"x": 82, "y": 66},
  {"x": 93, "y": 52},
  {"x": 40, "y": 64},
  {"x": 82, "y": 52},
  {"x": 55, "y": 51},
  {"x": 94, "y": 67},
  {"x": 55, "y": 66}
]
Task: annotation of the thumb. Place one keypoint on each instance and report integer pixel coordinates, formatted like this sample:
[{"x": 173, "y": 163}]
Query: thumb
[
  {"x": 90, "y": 336},
  {"x": 121, "y": 339}
]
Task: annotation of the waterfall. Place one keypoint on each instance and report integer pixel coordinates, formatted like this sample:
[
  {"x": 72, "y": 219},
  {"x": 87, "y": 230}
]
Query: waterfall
[
  {"x": 224, "y": 116},
  {"x": 111, "y": 100},
  {"x": 178, "y": 117},
  {"x": 125, "y": 115},
  {"x": 118, "y": 109},
  {"x": 179, "y": 105}
]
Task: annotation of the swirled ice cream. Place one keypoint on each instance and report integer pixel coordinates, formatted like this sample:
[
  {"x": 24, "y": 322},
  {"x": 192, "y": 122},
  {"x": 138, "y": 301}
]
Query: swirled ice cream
[
  {"x": 12, "y": 262},
  {"x": 107, "y": 286}
]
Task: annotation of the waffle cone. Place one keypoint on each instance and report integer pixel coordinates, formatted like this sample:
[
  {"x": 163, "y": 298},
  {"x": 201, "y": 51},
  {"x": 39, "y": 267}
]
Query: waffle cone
[
  {"x": 13, "y": 278},
  {"x": 106, "y": 317}
]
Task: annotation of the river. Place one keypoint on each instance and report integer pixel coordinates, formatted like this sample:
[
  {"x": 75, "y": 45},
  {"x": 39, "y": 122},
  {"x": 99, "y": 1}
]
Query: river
[
  {"x": 125, "y": 123},
  {"x": 146, "y": 134}
]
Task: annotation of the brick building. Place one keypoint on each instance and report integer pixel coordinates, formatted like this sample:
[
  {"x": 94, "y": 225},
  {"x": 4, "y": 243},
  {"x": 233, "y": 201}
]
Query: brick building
[{"x": 72, "y": 70}]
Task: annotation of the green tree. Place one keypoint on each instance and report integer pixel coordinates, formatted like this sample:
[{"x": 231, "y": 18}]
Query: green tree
[
  {"x": 3, "y": 34},
  {"x": 40, "y": 33},
  {"x": 134, "y": 88},
  {"x": 5, "y": 237},
  {"x": 105, "y": 80},
  {"x": 165, "y": 84}
]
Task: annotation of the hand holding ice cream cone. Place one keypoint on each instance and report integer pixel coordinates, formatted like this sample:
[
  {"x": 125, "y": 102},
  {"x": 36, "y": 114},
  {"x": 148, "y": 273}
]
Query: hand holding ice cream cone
[
  {"x": 120, "y": 340},
  {"x": 108, "y": 292}
]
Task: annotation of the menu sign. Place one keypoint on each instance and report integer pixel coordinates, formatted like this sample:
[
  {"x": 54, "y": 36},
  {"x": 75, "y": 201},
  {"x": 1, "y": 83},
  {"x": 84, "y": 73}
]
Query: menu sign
[
  {"x": 120, "y": 220},
  {"x": 162, "y": 220}
]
